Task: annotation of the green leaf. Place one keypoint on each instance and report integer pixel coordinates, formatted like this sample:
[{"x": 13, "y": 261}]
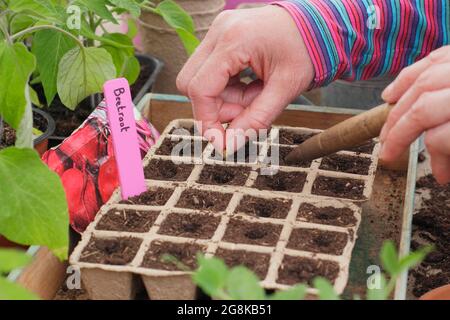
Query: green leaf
[
  {"x": 24, "y": 134},
  {"x": 82, "y": 73},
  {"x": 47, "y": 9},
  {"x": 34, "y": 209},
  {"x": 20, "y": 22},
  {"x": 189, "y": 40},
  {"x": 49, "y": 46},
  {"x": 12, "y": 291},
  {"x": 16, "y": 66},
  {"x": 175, "y": 16},
  {"x": 11, "y": 259},
  {"x": 131, "y": 6},
  {"x": 325, "y": 289},
  {"x": 414, "y": 258},
  {"x": 211, "y": 276},
  {"x": 120, "y": 41},
  {"x": 297, "y": 292},
  {"x": 97, "y": 7},
  {"x": 389, "y": 258},
  {"x": 34, "y": 97},
  {"x": 123, "y": 58},
  {"x": 132, "y": 28},
  {"x": 242, "y": 284},
  {"x": 380, "y": 293},
  {"x": 87, "y": 32},
  {"x": 180, "y": 21},
  {"x": 131, "y": 70}
]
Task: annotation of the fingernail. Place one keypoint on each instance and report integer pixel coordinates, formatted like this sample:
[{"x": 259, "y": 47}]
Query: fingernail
[
  {"x": 382, "y": 147},
  {"x": 387, "y": 92}
]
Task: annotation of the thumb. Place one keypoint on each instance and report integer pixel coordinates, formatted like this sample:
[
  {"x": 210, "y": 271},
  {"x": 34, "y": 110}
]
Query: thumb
[{"x": 264, "y": 109}]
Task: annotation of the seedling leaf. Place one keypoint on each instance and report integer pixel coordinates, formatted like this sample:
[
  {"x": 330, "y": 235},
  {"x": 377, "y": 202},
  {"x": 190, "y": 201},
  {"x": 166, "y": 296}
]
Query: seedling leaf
[
  {"x": 83, "y": 72},
  {"x": 325, "y": 289},
  {"x": 181, "y": 22},
  {"x": 11, "y": 259},
  {"x": 12, "y": 291},
  {"x": 211, "y": 276},
  {"x": 242, "y": 284},
  {"x": 49, "y": 46},
  {"x": 380, "y": 293},
  {"x": 34, "y": 209},
  {"x": 131, "y": 6},
  {"x": 389, "y": 258},
  {"x": 297, "y": 292},
  {"x": 16, "y": 66}
]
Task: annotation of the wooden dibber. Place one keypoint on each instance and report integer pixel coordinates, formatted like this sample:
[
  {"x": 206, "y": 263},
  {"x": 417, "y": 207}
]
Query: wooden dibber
[{"x": 347, "y": 134}]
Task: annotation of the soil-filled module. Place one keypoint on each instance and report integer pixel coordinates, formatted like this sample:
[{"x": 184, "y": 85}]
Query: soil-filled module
[{"x": 286, "y": 223}]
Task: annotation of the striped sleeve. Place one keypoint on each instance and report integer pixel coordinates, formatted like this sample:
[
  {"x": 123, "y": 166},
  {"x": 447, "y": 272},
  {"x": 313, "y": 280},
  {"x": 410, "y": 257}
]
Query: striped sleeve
[{"x": 362, "y": 39}]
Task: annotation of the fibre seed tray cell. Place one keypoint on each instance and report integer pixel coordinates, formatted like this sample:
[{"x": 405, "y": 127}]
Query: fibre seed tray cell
[{"x": 288, "y": 227}]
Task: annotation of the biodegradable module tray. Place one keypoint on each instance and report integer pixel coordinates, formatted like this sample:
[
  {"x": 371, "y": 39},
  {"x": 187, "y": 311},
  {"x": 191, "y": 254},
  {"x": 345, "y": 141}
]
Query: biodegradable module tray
[{"x": 288, "y": 227}]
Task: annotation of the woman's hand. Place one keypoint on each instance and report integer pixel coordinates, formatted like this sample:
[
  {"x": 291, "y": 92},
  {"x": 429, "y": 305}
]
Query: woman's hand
[
  {"x": 422, "y": 93},
  {"x": 265, "y": 39}
]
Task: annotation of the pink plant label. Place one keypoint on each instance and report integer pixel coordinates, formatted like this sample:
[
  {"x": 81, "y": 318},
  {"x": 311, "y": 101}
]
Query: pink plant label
[{"x": 124, "y": 136}]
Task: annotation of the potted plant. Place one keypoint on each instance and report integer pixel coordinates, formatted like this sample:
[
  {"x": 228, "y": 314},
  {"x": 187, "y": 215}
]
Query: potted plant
[
  {"x": 163, "y": 42},
  {"x": 75, "y": 53}
]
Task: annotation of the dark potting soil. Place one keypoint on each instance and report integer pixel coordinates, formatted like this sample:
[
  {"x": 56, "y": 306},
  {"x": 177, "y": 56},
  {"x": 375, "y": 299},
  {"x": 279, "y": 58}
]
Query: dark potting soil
[
  {"x": 346, "y": 163},
  {"x": 8, "y": 134},
  {"x": 318, "y": 241},
  {"x": 295, "y": 270},
  {"x": 115, "y": 251},
  {"x": 240, "y": 231},
  {"x": 364, "y": 148},
  {"x": 185, "y": 147},
  {"x": 257, "y": 262},
  {"x": 265, "y": 208},
  {"x": 204, "y": 200},
  {"x": 281, "y": 181},
  {"x": 246, "y": 154},
  {"x": 431, "y": 225},
  {"x": 222, "y": 175},
  {"x": 184, "y": 253},
  {"x": 199, "y": 226},
  {"x": 184, "y": 131},
  {"x": 291, "y": 137},
  {"x": 342, "y": 217},
  {"x": 144, "y": 75},
  {"x": 159, "y": 169},
  {"x": 339, "y": 187},
  {"x": 282, "y": 154},
  {"x": 152, "y": 197},
  {"x": 66, "y": 120},
  {"x": 128, "y": 220}
]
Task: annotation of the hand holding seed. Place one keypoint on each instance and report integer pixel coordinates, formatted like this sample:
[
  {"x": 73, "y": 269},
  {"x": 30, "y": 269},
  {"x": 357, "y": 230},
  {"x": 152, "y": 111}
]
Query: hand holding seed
[
  {"x": 265, "y": 39},
  {"x": 422, "y": 93}
]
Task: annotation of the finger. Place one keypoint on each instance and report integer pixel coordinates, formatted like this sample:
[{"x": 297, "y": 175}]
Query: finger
[
  {"x": 195, "y": 62},
  {"x": 433, "y": 79},
  {"x": 229, "y": 111},
  {"x": 241, "y": 93},
  {"x": 429, "y": 111},
  {"x": 205, "y": 90},
  {"x": 438, "y": 145},
  {"x": 409, "y": 74},
  {"x": 260, "y": 114}
]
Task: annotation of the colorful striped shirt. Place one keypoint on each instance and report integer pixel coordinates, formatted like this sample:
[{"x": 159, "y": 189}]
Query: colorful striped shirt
[{"x": 363, "y": 39}]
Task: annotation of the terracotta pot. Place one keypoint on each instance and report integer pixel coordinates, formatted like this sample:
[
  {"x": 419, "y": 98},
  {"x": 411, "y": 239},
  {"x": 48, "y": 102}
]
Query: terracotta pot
[
  {"x": 441, "y": 293},
  {"x": 160, "y": 40}
]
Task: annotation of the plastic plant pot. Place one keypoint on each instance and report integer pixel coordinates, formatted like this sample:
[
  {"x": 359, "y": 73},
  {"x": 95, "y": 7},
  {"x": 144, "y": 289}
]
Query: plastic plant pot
[{"x": 41, "y": 142}]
